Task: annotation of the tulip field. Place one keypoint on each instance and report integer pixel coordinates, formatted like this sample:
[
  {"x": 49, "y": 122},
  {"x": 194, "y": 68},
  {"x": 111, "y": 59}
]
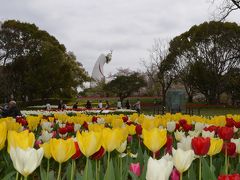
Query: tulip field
[{"x": 120, "y": 147}]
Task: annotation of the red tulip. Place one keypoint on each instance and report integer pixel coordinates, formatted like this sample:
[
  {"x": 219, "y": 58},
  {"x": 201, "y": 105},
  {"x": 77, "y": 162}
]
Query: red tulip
[
  {"x": 78, "y": 152},
  {"x": 211, "y": 128},
  {"x": 230, "y": 122},
  {"x": 226, "y": 133},
  {"x": 98, "y": 155},
  {"x": 182, "y": 122},
  {"x": 135, "y": 168},
  {"x": 201, "y": 145},
  {"x": 187, "y": 127},
  {"x": 230, "y": 147},
  {"x": 229, "y": 177},
  {"x": 237, "y": 124},
  {"x": 125, "y": 118},
  {"x": 62, "y": 130},
  {"x": 94, "y": 119},
  {"x": 85, "y": 125},
  {"x": 138, "y": 129},
  {"x": 169, "y": 144},
  {"x": 70, "y": 128},
  {"x": 177, "y": 126}
]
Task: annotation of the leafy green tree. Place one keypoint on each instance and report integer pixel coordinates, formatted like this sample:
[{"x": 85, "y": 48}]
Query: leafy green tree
[
  {"x": 212, "y": 49},
  {"x": 124, "y": 86},
  {"x": 36, "y": 64},
  {"x": 232, "y": 84}
]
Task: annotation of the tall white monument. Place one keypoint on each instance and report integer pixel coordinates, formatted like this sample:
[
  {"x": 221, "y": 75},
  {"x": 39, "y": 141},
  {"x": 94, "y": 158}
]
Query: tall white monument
[{"x": 97, "y": 73}]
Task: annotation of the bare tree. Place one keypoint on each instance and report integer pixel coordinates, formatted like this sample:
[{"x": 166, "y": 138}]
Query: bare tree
[
  {"x": 226, "y": 7},
  {"x": 160, "y": 70}
]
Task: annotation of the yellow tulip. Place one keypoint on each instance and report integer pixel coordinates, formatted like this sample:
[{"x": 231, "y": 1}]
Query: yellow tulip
[
  {"x": 22, "y": 140},
  {"x": 46, "y": 148},
  {"x": 62, "y": 150},
  {"x": 96, "y": 127},
  {"x": 215, "y": 146},
  {"x": 131, "y": 129},
  {"x": 148, "y": 124},
  {"x": 112, "y": 139},
  {"x": 89, "y": 142},
  {"x": 3, "y": 134},
  {"x": 154, "y": 139},
  {"x": 117, "y": 123}
]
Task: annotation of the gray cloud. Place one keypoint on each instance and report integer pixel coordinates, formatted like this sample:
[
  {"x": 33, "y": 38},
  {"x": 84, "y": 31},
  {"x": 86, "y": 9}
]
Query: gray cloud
[{"x": 89, "y": 28}]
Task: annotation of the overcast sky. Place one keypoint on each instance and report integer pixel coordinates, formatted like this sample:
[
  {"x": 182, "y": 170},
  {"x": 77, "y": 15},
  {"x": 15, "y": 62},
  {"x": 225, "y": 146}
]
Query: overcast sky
[{"x": 129, "y": 27}]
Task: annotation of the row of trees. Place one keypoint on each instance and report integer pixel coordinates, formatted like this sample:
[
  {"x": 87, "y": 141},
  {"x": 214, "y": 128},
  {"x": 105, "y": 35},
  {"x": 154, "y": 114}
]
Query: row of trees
[
  {"x": 205, "y": 59},
  {"x": 34, "y": 64}
]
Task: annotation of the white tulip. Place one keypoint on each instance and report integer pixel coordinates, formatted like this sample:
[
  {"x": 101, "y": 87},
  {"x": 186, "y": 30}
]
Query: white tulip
[
  {"x": 182, "y": 159},
  {"x": 47, "y": 126},
  {"x": 46, "y": 136},
  {"x": 26, "y": 161},
  {"x": 237, "y": 142},
  {"x": 77, "y": 127},
  {"x": 159, "y": 169},
  {"x": 199, "y": 126},
  {"x": 179, "y": 135},
  {"x": 185, "y": 143},
  {"x": 171, "y": 125},
  {"x": 194, "y": 133},
  {"x": 208, "y": 134},
  {"x": 100, "y": 121},
  {"x": 122, "y": 147}
]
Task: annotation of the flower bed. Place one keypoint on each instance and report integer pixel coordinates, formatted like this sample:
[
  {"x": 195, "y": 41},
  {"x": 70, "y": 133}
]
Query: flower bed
[{"x": 57, "y": 145}]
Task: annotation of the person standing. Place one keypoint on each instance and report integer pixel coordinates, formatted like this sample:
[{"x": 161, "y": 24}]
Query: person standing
[
  {"x": 127, "y": 105},
  {"x": 75, "y": 106},
  {"x": 137, "y": 106},
  {"x": 119, "y": 104},
  {"x": 100, "y": 105},
  {"x": 88, "y": 105},
  {"x": 107, "y": 105}
]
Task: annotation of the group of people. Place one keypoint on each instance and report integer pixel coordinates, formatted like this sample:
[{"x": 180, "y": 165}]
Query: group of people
[
  {"x": 136, "y": 106},
  {"x": 10, "y": 110},
  {"x": 100, "y": 105}
]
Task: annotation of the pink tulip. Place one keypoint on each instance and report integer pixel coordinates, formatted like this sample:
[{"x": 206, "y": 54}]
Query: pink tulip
[
  {"x": 129, "y": 138},
  {"x": 175, "y": 175},
  {"x": 135, "y": 168}
]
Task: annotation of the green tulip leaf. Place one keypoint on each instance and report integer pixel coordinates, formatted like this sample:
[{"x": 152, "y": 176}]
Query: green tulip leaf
[
  {"x": 43, "y": 173},
  {"x": 88, "y": 172},
  {"x": 133, "y": 176},
  {"x": 207, "y": 174},
  {"x": 110, "y": 172},
  {"x": 10, "y": 175}
]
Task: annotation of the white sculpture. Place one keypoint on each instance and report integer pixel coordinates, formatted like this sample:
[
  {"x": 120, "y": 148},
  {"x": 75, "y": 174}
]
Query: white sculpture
[{"x": 97, "y": 73}]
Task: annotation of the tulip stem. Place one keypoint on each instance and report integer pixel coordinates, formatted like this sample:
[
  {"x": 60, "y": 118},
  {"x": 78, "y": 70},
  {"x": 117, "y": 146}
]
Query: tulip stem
[
  {"x": 17, "y": 174},
  {"x": 120, "y": 168},
  {"x": 48, "y": 168},
  {"x": 180, "y": 176},
  {"x": 211, "y": 164},
  {"x": 73, "y": 169},
  {"x": 200, "y": 169},
  {"x": 59, "y": 171},
  {"x": 108, "y": 162},
  {"x": 154, "y": 155},
  {"x": 96, "y": 169},
  {"x": 226, "y": 161},
  {"x": 87, "y": 168}
]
